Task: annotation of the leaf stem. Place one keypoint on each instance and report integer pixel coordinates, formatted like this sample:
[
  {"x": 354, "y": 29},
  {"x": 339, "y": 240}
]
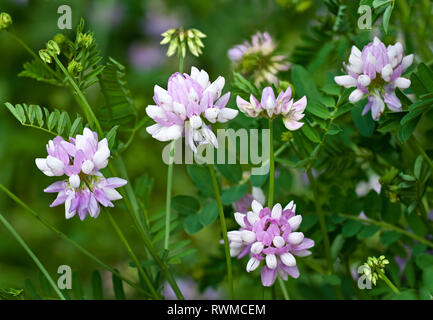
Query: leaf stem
[
  {"x": 168, "y": 195},
  {"x": 87, "y": 109},
  {"x": 133, "y": 256},
  {"x": 422, "y": 152},
  {"x": 271, "y": 165},
  {"x": 223, "y": 228},
  {"x": 385, "y": 225},
  {"x": 32, "y": 255}
]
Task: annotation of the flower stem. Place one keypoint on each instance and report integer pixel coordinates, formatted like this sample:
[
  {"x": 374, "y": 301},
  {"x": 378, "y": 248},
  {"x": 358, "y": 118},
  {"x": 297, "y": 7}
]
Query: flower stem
[
  {"x": 385, "y": 225},
  {"x": 388, "y": 282},
  {"x": 34, "y": 55},
  {"x": 87, "y": 109},
  {"x": 181, "y": 60},
  {"x": 65, "y": 237},
  {"x": 133, "y": 256},
  {"x": 168, "y": 196},
  {"x": 324, "y": 230},
  {"x": 32, "y": 255},
  {"x": 223, "y": 228},
  {"x": 271, "y": 165},
  {"x": 283, "y": 289},
  {"x": 422, "y": 152}
]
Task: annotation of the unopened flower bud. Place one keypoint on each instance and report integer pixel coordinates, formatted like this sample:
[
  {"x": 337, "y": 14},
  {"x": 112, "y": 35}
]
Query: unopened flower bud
[
  {"x": 5, "y": 20},
  {"x": 53, "y": 48},
  {"x": 74, "y": 67},
  {"x": 85, "y": 39},
  {"x": 45, "y": 56}
]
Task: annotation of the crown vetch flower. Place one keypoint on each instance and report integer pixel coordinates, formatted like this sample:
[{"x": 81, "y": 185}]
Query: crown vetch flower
[
  {"x": 270, "y": 236},
  {"x": 257, "y": 58},
  {"x": 376, "y": 72},
  {"x": 88, "y": 196},
  {"x": 184, "y": 107},
  {"x": 269, "y": 106},
  {"x": 80, "y": 159}
]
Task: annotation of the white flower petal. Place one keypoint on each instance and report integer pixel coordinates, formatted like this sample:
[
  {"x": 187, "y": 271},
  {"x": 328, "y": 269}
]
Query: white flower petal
[{"x": 288, "y": 259}]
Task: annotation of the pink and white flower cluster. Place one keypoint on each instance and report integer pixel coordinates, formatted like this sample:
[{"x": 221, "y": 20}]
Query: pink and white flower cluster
[
  {"x": 81, "y": 159},
  {"x": 270, "y": 106},
  {"x": 270, "y": 236},
  {"x": 261, "y": 48},
  {"x": 376, "y": 72},
  {"x": 183, "y": 108}
]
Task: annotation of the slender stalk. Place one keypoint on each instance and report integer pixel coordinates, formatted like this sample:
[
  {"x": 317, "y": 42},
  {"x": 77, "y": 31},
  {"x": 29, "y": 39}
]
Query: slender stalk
[
  {"x": 65, "y": 237},
  {"x": 168, "y": 195},
  {"x": 283, "y": 289},
  {"x": 32, "y": 255},
  {"x": 422, "y": 152},
  {"x": 271, "y": 165},
  {"x": 324, "y": 230},
  {"x": 385, "y": 225},
  {"x": 181, "y": 60},
  {"x": 321, "y": 218},
  {"x": 34, "y": 55},
  {"x": 223, "y": 228},
  {"x": 388, "y": 282},
  {"x": 87, "y": 109},
  {"x": 133, "y": 256}
]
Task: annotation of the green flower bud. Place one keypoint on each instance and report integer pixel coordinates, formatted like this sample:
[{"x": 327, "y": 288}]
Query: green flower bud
[
  {"x": 45, "y": 56},
  {"x": 5, "y": 20},
  {"x": 179, "y": 40},
  {"x": 53, "y": 47},
  {"x": 59, "y": 38},
  {"x": 74, "y": 67},
  {"x": 85, "y": 39}
]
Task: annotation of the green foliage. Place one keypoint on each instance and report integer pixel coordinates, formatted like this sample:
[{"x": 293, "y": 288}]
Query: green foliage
[
  {"x": 56, "y": 122},
  {"x": 119, "y": 108}
]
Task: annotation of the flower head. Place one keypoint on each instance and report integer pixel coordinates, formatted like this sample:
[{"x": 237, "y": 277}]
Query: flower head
[
  {"x": 269, "y": 106},
  {"x": 374, "y": 268},
  {"x": 376, "y": 73},
  {"x": 269, "y": 235},
  {"x": 184, "y": 107},
  {"x": 5, "y": 20},
  {"x": 258, "y": 58},
  {"x": 80, "y": 159}
]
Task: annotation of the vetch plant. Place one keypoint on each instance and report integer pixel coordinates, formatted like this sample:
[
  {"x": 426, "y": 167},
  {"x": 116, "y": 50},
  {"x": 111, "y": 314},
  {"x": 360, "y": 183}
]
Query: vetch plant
[{"x": 228, "y": 221}]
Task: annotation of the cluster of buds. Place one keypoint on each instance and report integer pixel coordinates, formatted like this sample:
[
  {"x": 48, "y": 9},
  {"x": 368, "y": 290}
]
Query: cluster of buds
[
  {"x": 85, "y": 40},
  {"x": 74, "y": 67},
  {"x": 179, "y": 39},
  {"x": 257, "y": 59},
  {"x": 5, "y": 20},
  {"x": 374, "y": 268},
  {"x": 52, "y": 50}
]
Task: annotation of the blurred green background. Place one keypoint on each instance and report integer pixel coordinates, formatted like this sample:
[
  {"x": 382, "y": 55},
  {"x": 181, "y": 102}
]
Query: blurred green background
[{"x": 130, "y": 32}]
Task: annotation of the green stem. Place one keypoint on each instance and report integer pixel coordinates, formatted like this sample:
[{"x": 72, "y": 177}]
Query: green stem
[
  {"x": 385, "y": 225},
  {"x": 283, "y": 289},
  {"x": 65, "y": 237},
  {"x": 388, "y": 282},
  {"x": 223, "y": 228},
  {"x": 87, "y": 109},
  {"x": 133, "y": 256},
  {"x": 168, "y": 195},
  {"x": 422, "y": 152},
  {"x": 321, "y": 218},
  {"x": 34, "y": 55},
  {"x": 181, "y": 60},
  {"x": 271, "y": 165},
  {"x": 32, "y": 255},
  {"x": 324, "y": 230}
]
